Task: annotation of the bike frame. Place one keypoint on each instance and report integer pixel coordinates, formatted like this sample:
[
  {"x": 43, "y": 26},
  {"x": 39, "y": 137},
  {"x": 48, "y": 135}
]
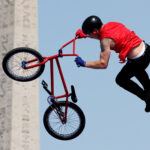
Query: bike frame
[{"x": 51, "y": 59}]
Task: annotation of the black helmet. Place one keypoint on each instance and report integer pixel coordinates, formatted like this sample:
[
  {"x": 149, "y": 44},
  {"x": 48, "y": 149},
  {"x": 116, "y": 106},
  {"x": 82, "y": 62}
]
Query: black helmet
[{"x": 91, "y": 23}]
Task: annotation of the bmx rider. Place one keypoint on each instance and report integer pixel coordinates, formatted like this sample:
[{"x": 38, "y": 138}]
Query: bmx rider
[{"x": 131, "y": 48}]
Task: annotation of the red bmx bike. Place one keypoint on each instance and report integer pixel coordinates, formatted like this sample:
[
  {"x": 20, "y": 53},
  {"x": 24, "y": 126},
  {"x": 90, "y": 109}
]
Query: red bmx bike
[{"x": 64, "y": 120}]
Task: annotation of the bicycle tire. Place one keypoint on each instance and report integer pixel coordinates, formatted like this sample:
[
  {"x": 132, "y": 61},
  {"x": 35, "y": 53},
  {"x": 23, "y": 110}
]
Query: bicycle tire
[
  {"x": 23, "y": 52},
  {"x": 68, "y": 136}
]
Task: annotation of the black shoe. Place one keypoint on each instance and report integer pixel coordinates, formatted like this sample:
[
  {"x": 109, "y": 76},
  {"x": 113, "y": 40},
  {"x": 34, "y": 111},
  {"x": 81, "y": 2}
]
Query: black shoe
[{"x": 147, "y": 108}]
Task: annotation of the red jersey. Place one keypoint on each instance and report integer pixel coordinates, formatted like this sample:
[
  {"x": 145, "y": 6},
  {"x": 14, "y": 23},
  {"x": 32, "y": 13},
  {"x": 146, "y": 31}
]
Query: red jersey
[{"x": 125, "y": 40}]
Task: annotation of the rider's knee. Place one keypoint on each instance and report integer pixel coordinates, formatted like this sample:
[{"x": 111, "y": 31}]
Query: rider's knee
[{"x": 119, "y": 80}]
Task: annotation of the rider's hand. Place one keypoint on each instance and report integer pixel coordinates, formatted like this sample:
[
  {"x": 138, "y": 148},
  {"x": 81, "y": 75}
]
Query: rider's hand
[
  {"x": 80, "y": 34},
  {"x": 80, "y": 62}
]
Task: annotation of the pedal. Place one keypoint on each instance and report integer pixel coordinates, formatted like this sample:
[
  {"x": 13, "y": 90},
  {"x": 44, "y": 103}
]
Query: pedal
[
  {"x": 73, "y": 94},
  {"x": 45, "y": 86}
]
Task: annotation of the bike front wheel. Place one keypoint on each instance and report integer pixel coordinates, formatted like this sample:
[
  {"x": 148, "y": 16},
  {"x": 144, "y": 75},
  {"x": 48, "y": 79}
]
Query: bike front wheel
[
  {"x": 74, "y": 125},
  {"x": 15, "y": 60}
]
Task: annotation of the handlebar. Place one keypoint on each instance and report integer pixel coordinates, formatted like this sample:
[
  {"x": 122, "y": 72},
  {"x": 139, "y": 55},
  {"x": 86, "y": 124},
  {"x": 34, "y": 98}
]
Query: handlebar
[
  {"x": 73, "y": 40},
  {"x": 60, "y": 53}
]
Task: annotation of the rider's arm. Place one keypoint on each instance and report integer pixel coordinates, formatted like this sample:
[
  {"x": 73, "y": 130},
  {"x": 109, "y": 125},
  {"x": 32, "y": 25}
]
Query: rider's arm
[{"x": 102, "y": 63}]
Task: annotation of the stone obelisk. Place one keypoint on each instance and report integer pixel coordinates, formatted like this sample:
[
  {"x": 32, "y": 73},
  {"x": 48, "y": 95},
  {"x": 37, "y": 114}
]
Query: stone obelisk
[{"x": 19, "y": 102}]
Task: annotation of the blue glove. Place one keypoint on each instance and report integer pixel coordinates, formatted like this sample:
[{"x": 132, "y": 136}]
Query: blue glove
[{"x": 80, "y": 62}]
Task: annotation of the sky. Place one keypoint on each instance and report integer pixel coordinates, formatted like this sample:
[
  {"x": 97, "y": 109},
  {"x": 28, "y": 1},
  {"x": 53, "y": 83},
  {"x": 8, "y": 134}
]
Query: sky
[{"x": 115, "y": 118}]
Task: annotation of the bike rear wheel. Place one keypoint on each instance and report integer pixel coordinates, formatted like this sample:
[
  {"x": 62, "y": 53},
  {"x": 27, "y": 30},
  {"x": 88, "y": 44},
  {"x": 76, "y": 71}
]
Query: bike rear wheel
[
  {"x": 71, "y": 129},
  {"x": 14, "y": 61}
]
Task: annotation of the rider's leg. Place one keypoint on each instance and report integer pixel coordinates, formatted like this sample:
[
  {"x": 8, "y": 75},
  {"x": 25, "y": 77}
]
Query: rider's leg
[
  {"x": 137, "y": 68},
  {"x": 141, "y": 74},
  {"x": 143, "y": 78},
  {"x": 123, "y": 79}
]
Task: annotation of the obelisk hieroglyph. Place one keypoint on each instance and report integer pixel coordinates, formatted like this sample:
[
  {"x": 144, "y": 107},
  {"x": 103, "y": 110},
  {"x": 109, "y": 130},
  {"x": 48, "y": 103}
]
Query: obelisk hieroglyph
[{"x": 19, "y": 102}]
